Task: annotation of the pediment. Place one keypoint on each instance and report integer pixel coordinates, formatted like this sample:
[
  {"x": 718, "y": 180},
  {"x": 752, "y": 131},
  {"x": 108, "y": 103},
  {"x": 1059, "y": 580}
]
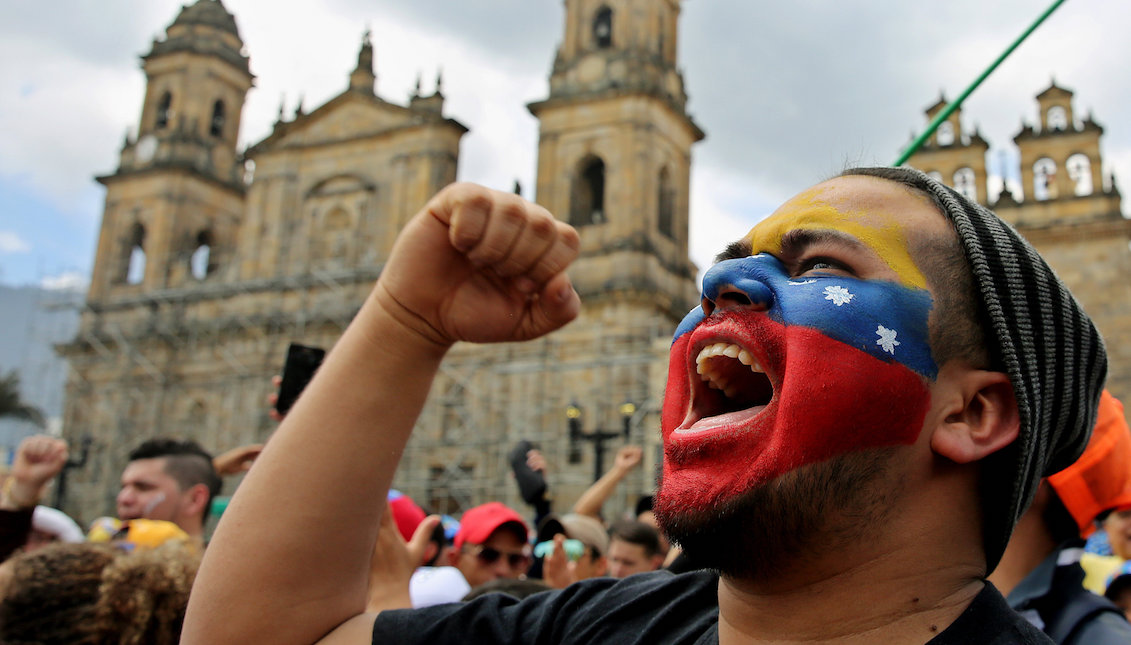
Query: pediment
[{"x": 346, "y": 117}]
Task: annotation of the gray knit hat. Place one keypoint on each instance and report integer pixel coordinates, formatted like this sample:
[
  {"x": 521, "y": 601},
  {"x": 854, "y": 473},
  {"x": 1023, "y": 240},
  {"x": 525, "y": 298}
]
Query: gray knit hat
[{"x": 1036, "y": 333}]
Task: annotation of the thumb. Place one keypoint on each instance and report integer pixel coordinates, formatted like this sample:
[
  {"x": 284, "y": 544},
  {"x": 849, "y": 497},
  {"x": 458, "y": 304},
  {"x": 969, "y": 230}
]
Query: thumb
[
  {"x": 558, "y": 302},
  {"x": 420, "y": 538}
]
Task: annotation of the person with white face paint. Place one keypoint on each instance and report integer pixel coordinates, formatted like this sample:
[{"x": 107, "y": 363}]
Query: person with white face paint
[{"x": 169, "y": 480}]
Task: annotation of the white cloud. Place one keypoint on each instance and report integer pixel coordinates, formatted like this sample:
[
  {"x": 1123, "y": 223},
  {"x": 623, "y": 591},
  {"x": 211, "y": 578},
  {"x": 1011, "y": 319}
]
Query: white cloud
[
  {"x": 68, "y": 281},
  {"x": 12, "y": 243},
  {"x": 786, "y": 95}
]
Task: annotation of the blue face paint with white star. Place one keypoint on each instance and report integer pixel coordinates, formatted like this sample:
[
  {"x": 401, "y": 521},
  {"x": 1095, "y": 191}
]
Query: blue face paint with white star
[{"x": 884, "y": 319}]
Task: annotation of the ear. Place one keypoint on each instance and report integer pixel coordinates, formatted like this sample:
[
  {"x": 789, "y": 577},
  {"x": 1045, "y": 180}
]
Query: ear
[
  {"x": 195, "y": 499},
  {"x": 976, "y": 411},
  {"x": 453, "y": 557},
  {"x": 657, "y": 561},
  {"x": 431, "y": 550},
  {"x": 600, "y": 567}
]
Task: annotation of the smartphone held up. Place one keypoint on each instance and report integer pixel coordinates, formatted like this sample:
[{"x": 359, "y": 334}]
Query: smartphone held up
[{"x": 301, "y": 363}]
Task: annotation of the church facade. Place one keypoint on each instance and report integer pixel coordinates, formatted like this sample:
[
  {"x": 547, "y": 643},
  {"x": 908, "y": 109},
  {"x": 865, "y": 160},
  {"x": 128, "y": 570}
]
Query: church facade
[
  {"x": 1064, "y": 205},
  {"x": 211, "y": 260}
]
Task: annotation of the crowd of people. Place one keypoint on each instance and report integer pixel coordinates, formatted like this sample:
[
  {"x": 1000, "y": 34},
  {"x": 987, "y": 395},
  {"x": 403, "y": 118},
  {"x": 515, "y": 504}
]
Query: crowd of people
[
  {"x": 885, "y": 423},
  {"x": 127, "y": 578}
]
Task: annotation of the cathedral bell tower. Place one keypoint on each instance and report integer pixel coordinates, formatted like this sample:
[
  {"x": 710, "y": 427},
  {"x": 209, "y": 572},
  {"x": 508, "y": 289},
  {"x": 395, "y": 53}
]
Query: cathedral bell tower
[
  {"x": 614, "y": 152},
  {"x": 173, "y": 205}
]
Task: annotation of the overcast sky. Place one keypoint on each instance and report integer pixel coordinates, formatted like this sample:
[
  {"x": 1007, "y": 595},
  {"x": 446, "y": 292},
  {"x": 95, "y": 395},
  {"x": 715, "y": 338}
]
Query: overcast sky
[{"x": 788, "y": 92}]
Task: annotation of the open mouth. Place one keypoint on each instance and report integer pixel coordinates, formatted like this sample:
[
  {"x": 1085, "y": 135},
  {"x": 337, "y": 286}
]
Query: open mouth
[{"x": 733, "y": 378}]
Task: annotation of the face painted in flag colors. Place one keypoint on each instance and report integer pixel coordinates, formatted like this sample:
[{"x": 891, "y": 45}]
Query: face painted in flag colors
[{"x": 812, "y": 342}]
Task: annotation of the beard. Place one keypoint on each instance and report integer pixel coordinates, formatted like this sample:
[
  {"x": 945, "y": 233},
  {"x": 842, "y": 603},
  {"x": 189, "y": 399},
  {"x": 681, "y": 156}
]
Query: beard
[{"x": 765, "y": 530}]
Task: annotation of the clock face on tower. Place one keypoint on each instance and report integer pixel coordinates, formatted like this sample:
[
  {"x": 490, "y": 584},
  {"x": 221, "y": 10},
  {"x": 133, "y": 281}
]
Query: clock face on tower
[{"x": 146, "y": 148}]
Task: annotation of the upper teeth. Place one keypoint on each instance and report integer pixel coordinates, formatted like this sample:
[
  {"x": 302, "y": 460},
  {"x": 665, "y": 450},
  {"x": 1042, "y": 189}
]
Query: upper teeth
[{"x": 713, "y": 378}]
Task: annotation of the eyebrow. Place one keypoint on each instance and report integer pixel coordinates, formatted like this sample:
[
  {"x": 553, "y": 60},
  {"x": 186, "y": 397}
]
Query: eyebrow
[
  {"x": 797, "y": 240},
  {"x": 793, "y": 242},
  {"x": 735, "y": 251}
]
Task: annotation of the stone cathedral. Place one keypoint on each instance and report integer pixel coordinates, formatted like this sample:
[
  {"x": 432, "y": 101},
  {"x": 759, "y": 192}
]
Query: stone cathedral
[
  {"x": 1065, "y": 206},
  {"x": 211, "y": 260}
]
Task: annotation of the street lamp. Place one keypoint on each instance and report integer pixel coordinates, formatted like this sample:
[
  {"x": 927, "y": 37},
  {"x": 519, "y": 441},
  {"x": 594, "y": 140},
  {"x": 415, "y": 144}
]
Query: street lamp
[
  {"x": 71, "y": 464},
  {"x": 596, "y": 436}
]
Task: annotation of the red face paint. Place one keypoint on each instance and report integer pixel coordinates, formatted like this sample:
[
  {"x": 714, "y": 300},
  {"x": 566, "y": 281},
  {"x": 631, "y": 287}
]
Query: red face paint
[{"x": 828, "y": 399}]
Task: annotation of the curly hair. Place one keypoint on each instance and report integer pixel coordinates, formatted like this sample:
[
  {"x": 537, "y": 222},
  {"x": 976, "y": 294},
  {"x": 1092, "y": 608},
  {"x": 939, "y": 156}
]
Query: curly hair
[
  {"x": 52, "y": 593},
  {"x": 143, "y": 597},
  {"x": 97, "y": 594}
]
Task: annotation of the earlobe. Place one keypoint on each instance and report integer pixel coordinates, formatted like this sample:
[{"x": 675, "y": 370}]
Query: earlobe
[{"x": 979, "y": 416}]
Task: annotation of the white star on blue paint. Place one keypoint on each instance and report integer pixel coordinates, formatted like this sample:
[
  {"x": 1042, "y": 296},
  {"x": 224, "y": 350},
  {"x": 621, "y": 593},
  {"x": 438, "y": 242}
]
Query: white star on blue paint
[
  {"x": 887, "y": 339},
  {"x": 838, "y": 295}
]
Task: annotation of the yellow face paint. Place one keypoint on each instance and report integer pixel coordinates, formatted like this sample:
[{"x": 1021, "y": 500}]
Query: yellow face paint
[{"x": 880, "y": 231}]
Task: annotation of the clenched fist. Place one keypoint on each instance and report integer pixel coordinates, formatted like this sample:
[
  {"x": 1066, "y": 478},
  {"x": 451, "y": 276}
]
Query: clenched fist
[{"x": 480, "y": 265}]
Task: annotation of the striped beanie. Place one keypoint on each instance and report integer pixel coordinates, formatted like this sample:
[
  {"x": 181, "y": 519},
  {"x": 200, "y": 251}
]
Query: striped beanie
[{"x": 1036, "y": 333}]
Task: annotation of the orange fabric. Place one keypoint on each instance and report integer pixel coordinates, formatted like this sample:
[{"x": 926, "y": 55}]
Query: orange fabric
[{"x": 1100, "y": 480}]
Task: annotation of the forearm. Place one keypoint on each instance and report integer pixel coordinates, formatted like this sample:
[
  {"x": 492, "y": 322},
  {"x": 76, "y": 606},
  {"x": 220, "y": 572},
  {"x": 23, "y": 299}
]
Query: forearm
[
  {"x": 595, "y": 496},
  {"x": 289, "y": 561}
]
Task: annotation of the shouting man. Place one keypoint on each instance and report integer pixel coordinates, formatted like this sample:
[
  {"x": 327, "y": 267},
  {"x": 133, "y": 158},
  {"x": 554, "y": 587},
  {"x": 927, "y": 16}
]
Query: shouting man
[{"x": 857, "y": 414}]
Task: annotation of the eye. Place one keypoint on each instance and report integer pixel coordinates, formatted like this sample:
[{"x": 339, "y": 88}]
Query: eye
[{"x": 820, "y": 264}]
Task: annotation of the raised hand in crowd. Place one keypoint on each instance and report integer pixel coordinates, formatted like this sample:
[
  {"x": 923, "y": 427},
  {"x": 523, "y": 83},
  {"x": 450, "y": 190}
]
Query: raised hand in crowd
[
  {"x": 237, "y": 460},
  {"x": 273, "y": 398},
  {"x": 595, "y": 496},
  {"x": 628, "y": 458},
  {"x": 394, "y": 560},
  {"x": 536, "y": 461},
  {"x": 555, "y": 567},
  {"x": 38, "y": 460}
]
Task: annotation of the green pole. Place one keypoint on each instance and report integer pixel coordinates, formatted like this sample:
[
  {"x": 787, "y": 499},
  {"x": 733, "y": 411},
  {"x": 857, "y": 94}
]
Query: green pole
[{"x": 941, "y": 116}]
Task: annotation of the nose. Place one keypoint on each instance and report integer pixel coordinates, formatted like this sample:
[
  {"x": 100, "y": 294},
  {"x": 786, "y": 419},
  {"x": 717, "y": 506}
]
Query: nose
[
  {"x": 125, "y": 498},
  {"x": 734, "y": 285},
  {"x": 502, "y": 568}
]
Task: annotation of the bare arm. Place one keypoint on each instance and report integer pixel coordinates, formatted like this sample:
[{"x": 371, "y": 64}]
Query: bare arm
[
  {"x": 38, "y": 460},
  {"x": 595, "y": 496},
  {"x": 237, "y": 460},
  {"x": 290, "y": 559}
]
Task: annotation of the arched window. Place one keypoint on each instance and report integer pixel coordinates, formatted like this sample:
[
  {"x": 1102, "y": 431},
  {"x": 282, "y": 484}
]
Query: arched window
[
  {"x": 1057, "y": 118},
  {"x": 135, "y": 263},
  {"x": 587, "y": 198},
  {"x": 665, "y": 221},
  {"x": 216, "y": 128},
  {"x": 163, "y": 110},
  {"x": 200, "y": 263},
  {"x": 1044, "y": 179},
  {"x": 1079, "y": 168},
  {"x": 965, "y": 182},
  {"x": 945, "y": 134},
  {"x": 603, "y": 28}
]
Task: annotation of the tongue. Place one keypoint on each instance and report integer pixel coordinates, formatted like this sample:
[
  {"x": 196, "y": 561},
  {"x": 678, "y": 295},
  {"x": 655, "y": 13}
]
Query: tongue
[{"x": 719, "y": 421}]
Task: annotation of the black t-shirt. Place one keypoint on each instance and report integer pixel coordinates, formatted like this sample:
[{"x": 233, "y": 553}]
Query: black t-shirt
[{"x": 647, "y": 608}]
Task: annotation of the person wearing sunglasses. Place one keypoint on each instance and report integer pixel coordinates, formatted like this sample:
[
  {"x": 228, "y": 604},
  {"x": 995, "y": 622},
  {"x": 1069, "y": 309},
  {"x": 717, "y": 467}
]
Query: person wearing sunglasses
[{"x": 491, "y": 544}]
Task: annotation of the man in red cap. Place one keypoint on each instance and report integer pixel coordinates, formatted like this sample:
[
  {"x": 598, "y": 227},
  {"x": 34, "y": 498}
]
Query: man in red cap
[{"x": 491, "y": 544}]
